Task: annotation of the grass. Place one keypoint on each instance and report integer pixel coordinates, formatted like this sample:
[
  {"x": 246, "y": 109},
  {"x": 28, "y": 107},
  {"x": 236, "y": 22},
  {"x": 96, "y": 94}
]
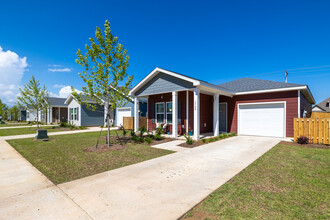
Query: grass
[
  {"x": 288, "y": 182},
  {"x": 62, "y": 158},
  {"x": 30, "y": 130}
]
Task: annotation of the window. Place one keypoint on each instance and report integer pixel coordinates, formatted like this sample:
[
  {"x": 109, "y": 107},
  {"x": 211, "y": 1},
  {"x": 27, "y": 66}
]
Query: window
[
  {"x": 74, "y": 114},
  {"x": 169, "y": 112},
  {"x": 327, "y": 104},
  {"x": 160, "y": 112}
]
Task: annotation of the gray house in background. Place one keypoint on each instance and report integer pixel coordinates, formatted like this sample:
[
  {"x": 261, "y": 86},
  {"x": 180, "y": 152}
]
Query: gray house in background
[
  {"x": 80, "y": 115},
  {"x": 322, "y": 106},
  {"x": 56, "y": 112}
]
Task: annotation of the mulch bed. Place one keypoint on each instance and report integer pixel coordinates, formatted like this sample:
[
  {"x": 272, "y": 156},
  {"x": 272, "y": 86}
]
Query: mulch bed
[
  {"x": 322, "y": 146},
  {"x": 103, "y": 148},
  {"x": 165, "y": 140},
  {"x": 195, "y": 144}
]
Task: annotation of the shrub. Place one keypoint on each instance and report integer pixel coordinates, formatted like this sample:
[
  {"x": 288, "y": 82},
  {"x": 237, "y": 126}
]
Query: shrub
[
  {"x": 63, "y": 124},
  {"x": 148, "y": 140},
  {"x": 134, "y": 138},
  {"x": 189, "y": 140},
  {"x": 158, "y": 137},
  {"x": 303, "y": 140},
  {"x": 82, "y": 127},
  {"x": 133, "y": 134},
  {"x": 204, "y": 140},
  {"x": 140, "y": 139},
  {"x": 142, "y": 130},
  {"x": 159, "y": 131}
]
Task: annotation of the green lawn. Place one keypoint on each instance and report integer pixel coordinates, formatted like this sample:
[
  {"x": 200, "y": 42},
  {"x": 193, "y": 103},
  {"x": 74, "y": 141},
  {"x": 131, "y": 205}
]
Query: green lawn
[
  {"x": 286, "y": 183},
  {"x": 30, "y": 130},
  {"x": 62, "y": 158}
]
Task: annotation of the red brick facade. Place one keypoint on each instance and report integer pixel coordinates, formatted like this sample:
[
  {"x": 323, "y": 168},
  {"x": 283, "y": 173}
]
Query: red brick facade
[
  {"x": 206, "y": 109},
  {"x": 291, "y": 98}
]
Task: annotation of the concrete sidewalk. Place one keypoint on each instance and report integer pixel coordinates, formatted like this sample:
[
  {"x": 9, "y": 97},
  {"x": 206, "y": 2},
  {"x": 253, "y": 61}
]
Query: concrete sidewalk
[
  {"x": 25, "y": 126},
  {"x": 25, "y": 193},
  {"x": 168, "y": 186},
  {"x": 88, "y": 129}
]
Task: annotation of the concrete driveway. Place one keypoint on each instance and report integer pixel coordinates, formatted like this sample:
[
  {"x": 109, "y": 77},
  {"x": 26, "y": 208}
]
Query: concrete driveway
[{"x": 165, "y": 187}]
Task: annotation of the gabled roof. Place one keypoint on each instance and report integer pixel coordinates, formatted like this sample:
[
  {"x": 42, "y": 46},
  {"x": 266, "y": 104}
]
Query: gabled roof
[
  {"x": 323, "y": 105},
  {"x": 57, "y": 102},
  {"x": 248, "y": 84},
  {"x": 194, "y": 81}
]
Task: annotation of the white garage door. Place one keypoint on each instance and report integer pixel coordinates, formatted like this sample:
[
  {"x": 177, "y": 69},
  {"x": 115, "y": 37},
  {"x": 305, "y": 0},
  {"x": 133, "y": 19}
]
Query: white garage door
[
  {"x": 122, "y": 112},
  {"x": 262, "y": 119}
]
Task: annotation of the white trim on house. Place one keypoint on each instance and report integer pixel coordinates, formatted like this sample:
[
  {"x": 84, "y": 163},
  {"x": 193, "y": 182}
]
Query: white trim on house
[
  {"x": 262, "y": 103},
  {"x": 298, "y": 103},
  {"x": 270, "y": 90},
  {"x": 167, "y": 113},
  {"x": 161, "y": 113},
  {"x": 226, "y": 116}
]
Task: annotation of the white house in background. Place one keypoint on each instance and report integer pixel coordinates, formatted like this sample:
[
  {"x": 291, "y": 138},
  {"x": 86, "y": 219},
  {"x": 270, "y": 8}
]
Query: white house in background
[{"x": 31, "y": 114}]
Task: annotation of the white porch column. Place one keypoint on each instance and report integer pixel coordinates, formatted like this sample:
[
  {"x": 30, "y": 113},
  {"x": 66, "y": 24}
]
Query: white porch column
[
  {"x": 50, "y": 115},
  {"x": 174, "y": 114},
  {"x": 59, "y": 114},
  {"x": 196, "y": 113},
  {"x": 187, "y": 111},
  {"x": 136, "y": 114},
  {"x": 216, "y": 115}
]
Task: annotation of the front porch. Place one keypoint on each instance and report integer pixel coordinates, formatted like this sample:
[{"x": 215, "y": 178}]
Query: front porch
[{"x": 183, "y": 104}]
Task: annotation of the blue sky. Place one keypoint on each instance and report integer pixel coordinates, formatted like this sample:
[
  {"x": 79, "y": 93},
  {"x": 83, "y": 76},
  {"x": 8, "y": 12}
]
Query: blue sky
[{"x": 216, "y": 41}]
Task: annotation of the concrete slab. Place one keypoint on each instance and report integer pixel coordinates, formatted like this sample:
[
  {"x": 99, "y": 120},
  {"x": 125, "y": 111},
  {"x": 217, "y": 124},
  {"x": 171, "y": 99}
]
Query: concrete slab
[
  {"x": 165, "y": 187},
  {"x": 172, "y": 145},
  {"x": 25, "y": 193}
]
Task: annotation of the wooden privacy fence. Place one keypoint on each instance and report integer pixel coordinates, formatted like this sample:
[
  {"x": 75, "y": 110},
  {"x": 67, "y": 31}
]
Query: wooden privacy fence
[
  {"x": 128, "y": 122},
  {"x": 320, "y": 115},
  {"x": 316, "y": 129}
]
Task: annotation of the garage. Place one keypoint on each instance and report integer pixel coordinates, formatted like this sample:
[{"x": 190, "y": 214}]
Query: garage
[
  {"x": 262, "y": 119},
  {"x": 121, "y": 113}
]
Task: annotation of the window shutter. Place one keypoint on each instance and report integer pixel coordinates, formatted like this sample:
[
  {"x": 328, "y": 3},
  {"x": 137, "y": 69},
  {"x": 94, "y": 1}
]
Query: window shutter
[
  {"x": 77, "y": 113},
  {"x": 70, "y": 113},
  {"x": 153, "y": 112}
]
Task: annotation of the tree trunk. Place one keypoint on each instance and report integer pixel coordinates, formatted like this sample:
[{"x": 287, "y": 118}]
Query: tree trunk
[
  {"x": 37, "y": 120},
  {"x": 108, "y": 121}
]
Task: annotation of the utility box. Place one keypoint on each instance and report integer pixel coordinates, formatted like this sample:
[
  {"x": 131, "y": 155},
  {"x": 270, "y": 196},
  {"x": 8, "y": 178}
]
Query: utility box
[{"x": 41, "y": 134}]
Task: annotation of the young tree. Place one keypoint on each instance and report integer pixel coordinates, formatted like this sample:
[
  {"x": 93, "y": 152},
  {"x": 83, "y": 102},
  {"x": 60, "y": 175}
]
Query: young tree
[
  {"x": 105, "y": 66},
  {"x": 33, "y": 97},
  {"x": 14, "y": 112}
]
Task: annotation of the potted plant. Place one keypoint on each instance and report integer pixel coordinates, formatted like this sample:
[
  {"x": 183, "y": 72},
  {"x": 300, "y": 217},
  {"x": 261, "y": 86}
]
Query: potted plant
[{"x": 190, "y": 132}]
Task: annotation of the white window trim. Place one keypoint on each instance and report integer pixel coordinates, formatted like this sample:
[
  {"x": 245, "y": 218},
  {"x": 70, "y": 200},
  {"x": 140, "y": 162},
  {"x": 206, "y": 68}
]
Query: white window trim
[
  {"x": 168, "y": 113},
  {"x": 261, "y": 103},
  {"x": 74, "y": 114},
  {"x": 159, "y": 113}
]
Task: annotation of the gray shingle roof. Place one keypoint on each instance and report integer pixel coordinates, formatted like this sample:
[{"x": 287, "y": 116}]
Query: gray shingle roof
[
  {"x": 54, "y": 101},
  {"x": 323, "y": 105},
  {"x": 248, "y": 84}
]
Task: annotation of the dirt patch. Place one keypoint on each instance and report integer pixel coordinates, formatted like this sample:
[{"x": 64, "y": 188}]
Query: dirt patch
[
  {"x": 103, "y": 148},
  {"x": 322, "y": 146},
  {"x": 195, "y": 144}
]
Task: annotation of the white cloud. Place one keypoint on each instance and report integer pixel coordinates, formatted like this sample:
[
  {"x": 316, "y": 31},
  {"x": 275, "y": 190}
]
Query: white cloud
[
  {"x": 59, "y": 86},
  {"x": 60, "y": 70},
  {"x": 64, "y": 92},
  {"x": 12, "y": 68},
  {"x": 54, "y": 65}
]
